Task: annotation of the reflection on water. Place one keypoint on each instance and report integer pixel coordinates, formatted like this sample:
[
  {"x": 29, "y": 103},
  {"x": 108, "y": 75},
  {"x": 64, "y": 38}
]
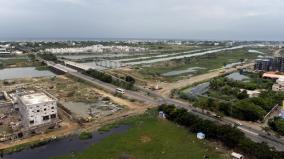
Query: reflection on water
[
  {"x": 23, "y": 72},
  {"x": 237, "y": 76},
  {"x": 64, "y": 146},
  {"x": 199, "y": 89},
  {"x": 189, "y": 70}
]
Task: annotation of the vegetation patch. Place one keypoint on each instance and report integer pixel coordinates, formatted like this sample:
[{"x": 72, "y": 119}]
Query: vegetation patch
[
  {"x": 150, "y": 137},
  {"x": 208, "y": 62},
  {"x": 229, "y": 97},
  {"x": 85, "y": 135},
  {"x": 127, "y": 83},
  {"x": 230, "y": 136},
  {"x": 277, "y": 124}
]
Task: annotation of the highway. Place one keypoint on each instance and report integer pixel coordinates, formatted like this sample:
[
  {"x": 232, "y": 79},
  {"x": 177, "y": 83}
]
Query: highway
[{"x": 156, "y": 99}]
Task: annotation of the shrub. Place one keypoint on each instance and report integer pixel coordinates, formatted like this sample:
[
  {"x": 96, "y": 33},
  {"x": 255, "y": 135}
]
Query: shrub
[{"x": 85, "y": 135}]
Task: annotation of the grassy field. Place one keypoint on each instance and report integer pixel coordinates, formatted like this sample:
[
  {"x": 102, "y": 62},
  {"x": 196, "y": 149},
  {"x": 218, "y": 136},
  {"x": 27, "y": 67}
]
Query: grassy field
[
  {"x": 20, "y": 61},
  {"x": 208, "y": 62},
  {"x": 150, "y": 138}
]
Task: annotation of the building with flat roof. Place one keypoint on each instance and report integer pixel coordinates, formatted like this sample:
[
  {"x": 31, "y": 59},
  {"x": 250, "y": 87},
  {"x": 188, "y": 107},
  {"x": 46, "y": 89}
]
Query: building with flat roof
[
  {"x": 3, "y": 51},
  {"x": 272, "y": 75},
  {"x": 37, "y": 108}
]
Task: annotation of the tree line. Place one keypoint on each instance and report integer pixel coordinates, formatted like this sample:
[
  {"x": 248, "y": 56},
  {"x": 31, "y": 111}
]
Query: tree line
[
  {"x": 277, "y": 124},
  {"x": 229, "y": 136},
  {"x": 250, "y": 109},
  {"x": 127, "y": 83},
  {"x": 48, "y": 57}
]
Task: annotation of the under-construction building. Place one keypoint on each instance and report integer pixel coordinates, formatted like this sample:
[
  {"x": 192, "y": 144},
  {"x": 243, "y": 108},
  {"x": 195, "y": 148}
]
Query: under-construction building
[
  {"x": 37, "y": 108},
  {"x": 269, "y": 64}
]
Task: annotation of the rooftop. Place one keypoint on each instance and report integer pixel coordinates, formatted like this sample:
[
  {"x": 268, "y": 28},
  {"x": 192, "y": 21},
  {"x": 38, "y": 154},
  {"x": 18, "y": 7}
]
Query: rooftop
[
  {"x": 272, "y": 75},
  {"x": 35, "y": 98}
]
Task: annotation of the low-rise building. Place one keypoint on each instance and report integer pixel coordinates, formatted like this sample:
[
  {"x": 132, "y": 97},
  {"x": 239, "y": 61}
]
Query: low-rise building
[
  {"x": 4, "y": 52},
  {"x": 272, "y": 75},
  {"x": 37, "y": 108},
  {"x": 252, "y": 93}
]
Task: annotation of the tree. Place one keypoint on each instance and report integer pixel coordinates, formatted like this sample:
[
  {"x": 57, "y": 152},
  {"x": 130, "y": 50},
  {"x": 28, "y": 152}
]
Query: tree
[
  {"x": 242, "y": 95},
  {"x": 228, "y": 135},
  {"x": 277, "y": 124},
  {"x": 217, "y": 83},
  {"x": 48, "y": 57},
  {"x": 202, "y": 103},
  {"x": 248, "y": 111},
  {"x": 130, "y": 79}
]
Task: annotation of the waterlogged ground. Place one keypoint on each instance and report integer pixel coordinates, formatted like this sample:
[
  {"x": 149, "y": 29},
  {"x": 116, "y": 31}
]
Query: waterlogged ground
[
  {"x": 150, "y": 138},
  {"x": 23, "y": 72},
  {"x": 63, "y": 146}
]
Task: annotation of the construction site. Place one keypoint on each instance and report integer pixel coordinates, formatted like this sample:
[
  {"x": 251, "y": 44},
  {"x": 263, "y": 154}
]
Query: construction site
[{"x": 31, "y": 107}]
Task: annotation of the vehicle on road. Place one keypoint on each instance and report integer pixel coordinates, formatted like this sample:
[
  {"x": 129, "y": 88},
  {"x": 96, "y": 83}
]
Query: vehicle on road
[
  {"x": 239, "y": 123},
  {"x": 120, "y": 90}
]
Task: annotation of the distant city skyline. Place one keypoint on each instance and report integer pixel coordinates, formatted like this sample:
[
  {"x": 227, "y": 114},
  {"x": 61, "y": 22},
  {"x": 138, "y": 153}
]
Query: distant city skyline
[{"x": 147, "y": 19}]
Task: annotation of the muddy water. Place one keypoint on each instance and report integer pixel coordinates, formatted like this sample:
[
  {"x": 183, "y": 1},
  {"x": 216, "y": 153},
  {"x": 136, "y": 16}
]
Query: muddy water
[
  {"x": 64, "y": 146},
  {"x": 23, "y": 72}
]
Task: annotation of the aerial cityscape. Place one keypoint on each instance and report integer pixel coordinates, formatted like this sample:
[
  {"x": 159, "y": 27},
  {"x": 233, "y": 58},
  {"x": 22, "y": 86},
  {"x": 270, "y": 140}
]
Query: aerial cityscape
[{"x": 180, "y": 79}]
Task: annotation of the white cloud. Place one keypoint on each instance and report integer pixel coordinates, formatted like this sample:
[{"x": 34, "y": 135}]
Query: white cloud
[{"x": 141, "y": 18}]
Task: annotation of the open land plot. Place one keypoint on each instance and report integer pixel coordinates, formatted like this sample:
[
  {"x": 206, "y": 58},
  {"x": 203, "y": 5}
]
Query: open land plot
[
  {"x": 206, "y": 63},
  {"x": 168, "y": 51},
  {"x": 20, "y": 61},
  {"x": 162, "y": 55},
  {"x": 61, "y": 86},
  {"x": 266, "y": 50},
  {"x": 150, "y": 137},
  {"x": 81, "y": 99},
  {"x": 170, "y": 48}
]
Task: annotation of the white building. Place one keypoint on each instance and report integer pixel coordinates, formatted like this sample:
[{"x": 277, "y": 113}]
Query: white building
[
  {"x": 279, "y": 85},
  {"x": 237, "y": 155},
  {"x": 252, "y": 93},
  {"x": 96, "y": 49},
  {"x": 3, "y": 51},
  {"x": 37, "y": 108}
]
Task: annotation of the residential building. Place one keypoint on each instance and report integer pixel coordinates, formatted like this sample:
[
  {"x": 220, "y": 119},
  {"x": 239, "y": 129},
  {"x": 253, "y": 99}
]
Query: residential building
[{"x": 270, "y": 64}]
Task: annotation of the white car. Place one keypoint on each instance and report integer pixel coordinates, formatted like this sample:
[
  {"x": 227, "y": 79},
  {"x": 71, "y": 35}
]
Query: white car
[{"x": 120, "y": 90}]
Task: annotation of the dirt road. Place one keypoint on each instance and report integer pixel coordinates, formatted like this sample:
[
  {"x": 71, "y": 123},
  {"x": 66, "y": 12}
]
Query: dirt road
[{"x": 167, "y": 87}]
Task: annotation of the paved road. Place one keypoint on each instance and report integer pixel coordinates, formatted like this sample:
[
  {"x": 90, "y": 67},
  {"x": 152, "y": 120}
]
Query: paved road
[
  {"x": 253, "y": 134},
  {"x": 111, "y": 88},
  {"x": 156, "y": 99}
]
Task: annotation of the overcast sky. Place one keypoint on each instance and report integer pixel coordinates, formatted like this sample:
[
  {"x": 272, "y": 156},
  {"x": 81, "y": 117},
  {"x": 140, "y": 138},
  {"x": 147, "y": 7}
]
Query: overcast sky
[{"x": 186, "y": 19}]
